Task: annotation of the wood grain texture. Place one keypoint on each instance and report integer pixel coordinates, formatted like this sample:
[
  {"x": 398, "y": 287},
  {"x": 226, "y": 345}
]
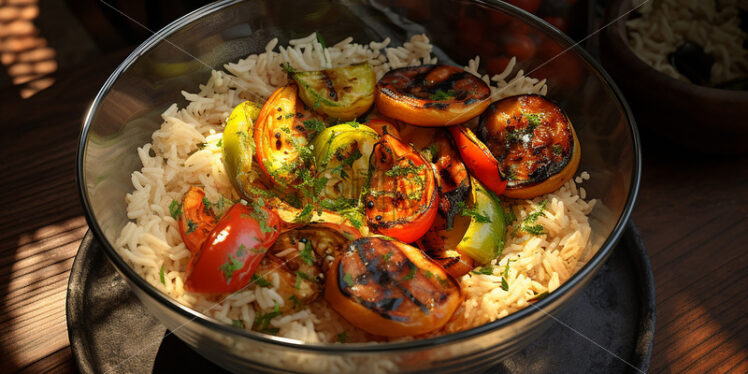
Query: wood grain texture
[{"x": 692, "y": 213}]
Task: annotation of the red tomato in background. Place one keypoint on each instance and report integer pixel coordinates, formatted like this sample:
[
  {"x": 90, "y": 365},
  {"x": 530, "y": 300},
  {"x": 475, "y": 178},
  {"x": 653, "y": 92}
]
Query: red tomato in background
[
  {"x": 229, "y": 257},
  {"x": 521, "y": 46},
  {"x": 496, "y": 65},
  {"x": 531, "y": 6},
  {"x": 557, "y": 22}
]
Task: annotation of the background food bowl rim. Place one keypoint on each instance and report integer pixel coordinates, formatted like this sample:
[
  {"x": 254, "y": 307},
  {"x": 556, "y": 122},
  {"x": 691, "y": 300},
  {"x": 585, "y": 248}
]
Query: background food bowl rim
[{"x": 194, "y": 316}]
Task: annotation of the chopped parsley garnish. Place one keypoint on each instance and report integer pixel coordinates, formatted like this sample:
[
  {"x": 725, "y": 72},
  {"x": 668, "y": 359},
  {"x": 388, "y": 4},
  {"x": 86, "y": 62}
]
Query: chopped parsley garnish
[
  {"x": 229, "y": 267},
  {"x": 191, "y": 227},
  {"x": 342, "y": 337},
  {"x": 528, "y": 224},
  {"x": 315, "y": 124},
  {"x": 410, "y": 274},
  {"x": 401, "y": 171},
  {"x": 260, "y": 281},
  {"x": 306, "y": 254},
  {"x": 175, "y": 209},
  {"x": 386, "y": 256},
  {"x": 534, "y": 119},
  {"x": 557, "y": 149},
  {"x": 237, "y": 323},
  {"x": 433, "y": 151},
  {"x": 161, "y": 275},
  {"x": 320, "y": 39},
  {"x": 539, "y": 297},
  {"x": 348, "y": 161},
  {"x": 485, "y": 270},
  {"x": 295, "y": 301},
  {"x": 441, "y": 95},
  {"x": 263, "y": 321},
  {"x": 504, "y": 284},
  {"x": 299, "y": 276},
  {"x": 289, "y": 115},
  {"x": 305, "y": 215},
  {"x": 463, "y": 209},
  {"x": 219, "y": 143},
  {"x": 428, "y": 274},
  {"x": 348, "y": 280}
]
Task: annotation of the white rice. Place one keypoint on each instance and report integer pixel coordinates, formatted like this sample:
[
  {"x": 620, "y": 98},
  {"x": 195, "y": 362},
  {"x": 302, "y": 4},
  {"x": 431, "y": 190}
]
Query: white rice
[
  {"x": 173, "y": 162},
  {"x": 713, "y": 24}
]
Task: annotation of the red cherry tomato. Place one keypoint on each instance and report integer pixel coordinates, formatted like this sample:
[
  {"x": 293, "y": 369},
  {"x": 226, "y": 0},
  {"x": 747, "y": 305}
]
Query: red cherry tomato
[
  {"x": 478, "y": 159},
  {"x": 496, "y": 65},
  {"x": 229, "y": 257},
  {"x": 521, "y": 46},
  {"x": 531, "y": 6},
  {"x": 557, "y": 22},
  {"x": 401, "y": 201}
]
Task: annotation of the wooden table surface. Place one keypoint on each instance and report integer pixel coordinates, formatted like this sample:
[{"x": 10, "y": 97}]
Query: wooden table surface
[{"x": 692, "y": 213}]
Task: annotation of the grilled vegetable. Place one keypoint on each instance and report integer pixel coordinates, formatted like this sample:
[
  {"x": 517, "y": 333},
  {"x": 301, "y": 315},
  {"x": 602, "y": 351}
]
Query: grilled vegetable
[
  {"x": 431, "y": 95},
  {"x": 281, "y": 137},
  {"x": 343, "y": 93},
  {"x": 533, "y": 142},
  {"x": 197, "y": 220},
  {"x": 229, "y": 256},
  {"x": 401, "y": 201},
  {"x": 238, "y": 147},
  {"x": 437, "y": 147},
  {"x": 478, "y": 233},
  {"x": 478, "y": 159},
  {"x": 342, "y": 157},
  {"x": 383, "y": 127},
  {"x": 391, "y": 289}
]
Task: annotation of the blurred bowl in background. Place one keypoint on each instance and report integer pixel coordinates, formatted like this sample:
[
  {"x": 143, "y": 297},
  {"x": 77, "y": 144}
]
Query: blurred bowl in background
[{"x": 701, "y": 118}]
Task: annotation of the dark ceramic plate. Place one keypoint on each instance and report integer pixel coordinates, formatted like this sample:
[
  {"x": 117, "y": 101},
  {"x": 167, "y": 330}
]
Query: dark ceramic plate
[{"x": 613, "y": 320}]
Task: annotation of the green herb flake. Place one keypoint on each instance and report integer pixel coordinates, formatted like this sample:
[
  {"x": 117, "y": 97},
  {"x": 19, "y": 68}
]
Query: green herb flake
[
  {"x": 305, "y": 215},
  {"x": 237, "y": 323},
  {"x": 534, "y": 119},
  {"x": 191, "y": 227},
  {"x": 320, "y": 39},
  {"x": 229, "y": 267},
  {"x": 386, "y": 257},
  {"x": 260, "y": 281},
  {"x": 441, "y": 95},
  {"x": 219, "y": 143},
  {"x": 539, "y": 297},
  {"x": 485, "y": 270},
  {"x": 161, "y": 275},
  {"x": 509, "y": 217},
  {"x": 428, "y": 274},
  {"x": 410, "y": 274},
  {"x": 348, "y": 280},
  {"x": 295, "y": 300},
  {"x": 175, "y": 209},
  {"x": 263, "y": 321},
  {"x": 342, "y": 337},
  {"x": 306, "y": 254},
  {"x": 557, "y": 149},
  {"x": 504, "y": 284}
]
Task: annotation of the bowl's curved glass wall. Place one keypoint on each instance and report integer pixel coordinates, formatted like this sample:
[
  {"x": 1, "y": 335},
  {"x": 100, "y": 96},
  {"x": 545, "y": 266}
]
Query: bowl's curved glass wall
[{"x": 181, "y": 56}]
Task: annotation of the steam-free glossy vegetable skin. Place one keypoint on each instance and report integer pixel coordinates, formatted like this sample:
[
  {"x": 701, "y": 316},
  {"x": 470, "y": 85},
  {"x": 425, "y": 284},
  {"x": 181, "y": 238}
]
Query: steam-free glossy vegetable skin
[
  {"x": 342, "y": 156},
  {"x": 431, "y": 95},
  {"x": 229, "y": 256},
  {"x": 280, "y": 137},
  {"x": 475, "y": 238},
  {"x": 238, "y": 146},
  {"x": 401, "y": 202},
  {"x": 197, "y": 220},
  {"x": 389, "y": 288},
  {"x": 534, "y": 143},
  {"x": 478, "y": 159},
  {"x": 343, "y": 93}
]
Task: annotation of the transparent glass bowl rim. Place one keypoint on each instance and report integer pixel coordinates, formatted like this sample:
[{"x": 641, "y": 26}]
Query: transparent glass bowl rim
[{"x": 194, "y": 316}]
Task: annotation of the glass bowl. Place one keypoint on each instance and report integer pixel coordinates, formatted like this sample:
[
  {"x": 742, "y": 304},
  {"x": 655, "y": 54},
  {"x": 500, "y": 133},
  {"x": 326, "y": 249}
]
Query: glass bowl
[{"x": 179, "y": 57}]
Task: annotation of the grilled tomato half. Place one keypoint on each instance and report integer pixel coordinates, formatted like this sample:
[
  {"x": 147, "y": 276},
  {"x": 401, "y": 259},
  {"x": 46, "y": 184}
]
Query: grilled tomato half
[
  {"x": 534, "y": 143},
  {"x": 431, "y": 95},
  {"x": 389, "y": 288},
  {"x": 401, "y": 201}
]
